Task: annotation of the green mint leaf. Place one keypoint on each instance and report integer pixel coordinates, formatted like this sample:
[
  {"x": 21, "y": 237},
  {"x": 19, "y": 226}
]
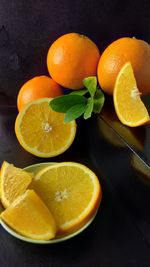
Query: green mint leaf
[
  {"x": 79, "y": 92},
  {"x": 64, "y": 103},
  {"x": 98, "y": 101},
  {"x": 90, "y": 83},
  {"x": 75, "y": 104},
  {"x": 89, "y": 108},
  {"x": 75, "y": 112}
]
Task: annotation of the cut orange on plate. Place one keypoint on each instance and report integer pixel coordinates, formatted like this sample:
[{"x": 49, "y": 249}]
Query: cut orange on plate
[
  {"x": 72, "y": 193},
  {"x": 14, "y": 182},
  {"x": 29, "y": 216},
  {"x": 129, "y": 107},
  {"x": 42, "y": 131}
]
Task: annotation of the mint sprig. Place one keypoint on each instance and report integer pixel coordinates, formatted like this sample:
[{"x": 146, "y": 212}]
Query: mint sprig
[{"x": 81, "y": 102}]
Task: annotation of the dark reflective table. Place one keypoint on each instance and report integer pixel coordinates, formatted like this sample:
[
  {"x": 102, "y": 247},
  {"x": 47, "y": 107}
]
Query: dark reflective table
[
  {"x": 137, "y": 138},
  {"x": 120, "y": 233}
]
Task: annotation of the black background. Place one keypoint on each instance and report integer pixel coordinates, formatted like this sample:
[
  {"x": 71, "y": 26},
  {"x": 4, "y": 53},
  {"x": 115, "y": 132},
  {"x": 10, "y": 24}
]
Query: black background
[
  {"x": 120, "y": 233},
  {"x": 28, "y": 28}
]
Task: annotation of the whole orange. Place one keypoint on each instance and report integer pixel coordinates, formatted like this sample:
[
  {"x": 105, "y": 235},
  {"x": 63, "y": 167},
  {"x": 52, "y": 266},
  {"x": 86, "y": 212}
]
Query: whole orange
[
  {"x": 37, "y": 87},
  {"x": 71, "y": 58},
  {"x": 116, "y": 55}
]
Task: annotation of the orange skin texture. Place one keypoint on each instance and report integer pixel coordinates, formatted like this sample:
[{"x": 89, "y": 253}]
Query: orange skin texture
[
  {"x": 71, "y": 58},
  {"x": 116, "y": 55},
  {"x": 37, "y": 87}
]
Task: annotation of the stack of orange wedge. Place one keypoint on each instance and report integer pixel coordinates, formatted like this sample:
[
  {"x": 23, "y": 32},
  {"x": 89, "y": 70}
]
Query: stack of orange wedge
[{"x": 58, "y": 200}]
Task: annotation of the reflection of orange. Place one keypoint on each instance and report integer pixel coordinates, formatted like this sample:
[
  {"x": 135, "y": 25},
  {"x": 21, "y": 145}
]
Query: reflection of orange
[
  {"x": 71, "y": 58},
  {"x": 141, "y": 168},
  {"x": 37, "y": 87},
  {"x": 134, "y": 136},
  {"x": 116, "y": 55}
]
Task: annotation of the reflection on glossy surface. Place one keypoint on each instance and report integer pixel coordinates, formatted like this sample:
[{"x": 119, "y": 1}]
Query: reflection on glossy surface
[
  {"x": 146, "y": 152},
  {"x": 146, "y": 100},
  {"x": 141, "y": 168},
  {"x": 129, "y": 135},
  {"x": 135, "y": 138},
  {"x": 118, "y": 175},
  {"x": 109, "y": 134}
]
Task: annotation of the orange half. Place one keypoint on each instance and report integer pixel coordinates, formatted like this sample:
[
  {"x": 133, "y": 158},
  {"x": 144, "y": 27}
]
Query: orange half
[
  {"x": 72, "y": 193},
  {"x": 42, "y": 131}
]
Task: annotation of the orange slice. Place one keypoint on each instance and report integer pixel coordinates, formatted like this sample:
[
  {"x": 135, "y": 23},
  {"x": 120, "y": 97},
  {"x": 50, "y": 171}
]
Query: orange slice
[
  {"x": 14, "y": 182},
  {"x": 72, "y": 193},
  {"x": 29, "y": 216},
  {"x": 42, "y": 131},
  {"x": 129, "y": 107}
]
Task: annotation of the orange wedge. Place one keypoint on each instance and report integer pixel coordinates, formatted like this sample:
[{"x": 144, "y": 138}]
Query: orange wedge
[
  {"x": 42, "y": 131},
  {"x": 29, "y": 216},
  {"x": 14, "y": 182},
  {"x": 72, "y": 193},
  {"x": 129, "y": 107}
]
